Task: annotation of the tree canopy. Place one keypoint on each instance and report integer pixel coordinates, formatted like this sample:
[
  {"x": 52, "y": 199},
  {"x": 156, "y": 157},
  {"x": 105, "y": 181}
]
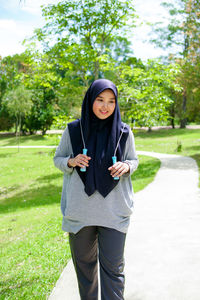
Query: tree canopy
[{"x": 83, "y": 40}]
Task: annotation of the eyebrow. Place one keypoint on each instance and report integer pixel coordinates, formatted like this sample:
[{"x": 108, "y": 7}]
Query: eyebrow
[{"x": 102, "y": 98}]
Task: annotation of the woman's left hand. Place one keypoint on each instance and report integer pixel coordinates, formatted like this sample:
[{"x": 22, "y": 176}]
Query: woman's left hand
[{"x": 118, "y": 169}]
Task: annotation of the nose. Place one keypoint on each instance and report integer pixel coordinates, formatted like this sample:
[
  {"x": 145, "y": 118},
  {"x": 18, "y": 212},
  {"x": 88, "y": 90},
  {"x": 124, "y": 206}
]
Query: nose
[{"x": 105, "y": 105}]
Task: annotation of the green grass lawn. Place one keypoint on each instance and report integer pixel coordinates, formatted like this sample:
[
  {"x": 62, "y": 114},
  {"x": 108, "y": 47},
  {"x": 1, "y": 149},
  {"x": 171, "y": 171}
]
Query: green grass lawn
[{"x": 34, "y": 249}]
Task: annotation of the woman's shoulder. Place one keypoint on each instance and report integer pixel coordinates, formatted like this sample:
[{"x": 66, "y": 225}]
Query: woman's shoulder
[
  {"x": 125, "y": 128},
  {"x": 74, "y": 124},
  {"x": 73, "y": 127},
  {"x": 125, "y": 125}
]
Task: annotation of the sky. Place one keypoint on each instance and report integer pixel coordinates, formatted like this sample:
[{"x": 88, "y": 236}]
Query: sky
[{"x": 18, "y": 19}]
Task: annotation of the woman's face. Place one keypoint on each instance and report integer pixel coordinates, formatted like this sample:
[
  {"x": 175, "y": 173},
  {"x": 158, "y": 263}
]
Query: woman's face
[{"x": 104, "y": 104}]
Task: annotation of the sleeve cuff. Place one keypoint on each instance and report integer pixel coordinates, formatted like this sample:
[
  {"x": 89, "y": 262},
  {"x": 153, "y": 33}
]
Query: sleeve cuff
[
  {"x": 129, "y": 172},
  {"x": 66, "y": 168}
]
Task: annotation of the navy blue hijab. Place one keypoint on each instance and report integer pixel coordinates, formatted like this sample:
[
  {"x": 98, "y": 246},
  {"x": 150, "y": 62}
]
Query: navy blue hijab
[{"x": 101, "y": 138}]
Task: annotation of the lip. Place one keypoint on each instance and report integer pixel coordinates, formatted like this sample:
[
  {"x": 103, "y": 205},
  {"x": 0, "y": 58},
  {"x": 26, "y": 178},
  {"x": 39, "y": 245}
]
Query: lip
[{"x": 103, "y": 112}]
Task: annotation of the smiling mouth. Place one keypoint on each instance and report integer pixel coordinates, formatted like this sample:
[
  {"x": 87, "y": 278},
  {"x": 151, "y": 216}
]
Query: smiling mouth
[{"x": 103, "y": 112}]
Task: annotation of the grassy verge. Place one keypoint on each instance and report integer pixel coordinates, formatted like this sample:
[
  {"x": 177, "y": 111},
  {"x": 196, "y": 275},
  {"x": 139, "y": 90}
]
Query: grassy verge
[
  {"x": 34, "y": 248},
  {"x": 145, "y": 173},
  {"x": 167, "y": 140}
]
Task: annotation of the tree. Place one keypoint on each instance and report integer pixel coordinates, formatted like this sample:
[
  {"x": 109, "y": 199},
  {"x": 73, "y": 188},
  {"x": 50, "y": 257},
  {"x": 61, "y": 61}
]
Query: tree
[
  {"x": 145, "y": 90},
  {"x": 78, "y": 33},
  {"x": 18, "y": 102},
  {"x": 43, "y": 81},
  {"x": 78, "y": 38},
  {"x": 182, "y": 34},
  {"x": 12, "y": 70}
]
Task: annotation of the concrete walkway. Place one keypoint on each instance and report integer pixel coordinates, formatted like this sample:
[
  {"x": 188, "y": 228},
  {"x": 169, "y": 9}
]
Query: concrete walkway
[{"x": 163, "y": 243}]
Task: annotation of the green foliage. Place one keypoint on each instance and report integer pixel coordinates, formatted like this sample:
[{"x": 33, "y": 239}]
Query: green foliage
[
  {"x": 60, "y": 122},
  {"x": 79, "y": 33},
  {"x": 12, "y": 69},
  {"x": 77, "y": 41},
  {"x": 144, "y": 91},
  {"x": 86, "y": 40},
  {"x": 6, "y": 122},
  {"x": 182, "y": 37},
  {"x": 18, "y": 103}
]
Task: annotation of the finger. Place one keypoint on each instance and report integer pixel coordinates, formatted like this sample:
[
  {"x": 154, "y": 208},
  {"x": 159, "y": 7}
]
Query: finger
[
  {"x": 116, "y": 167},
  {"x": 84, "y": 163},
  {"x": 86, "y": 157},
  {"x": 80, "y": 162},
  {"x": 82, "y": 158},
  {"x": 124, "y": 171},
  {"x": 118, "y": 172}
]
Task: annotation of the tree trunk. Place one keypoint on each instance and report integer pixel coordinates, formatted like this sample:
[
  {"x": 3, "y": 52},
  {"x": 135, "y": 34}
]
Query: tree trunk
[
  {"x": 96, "y": 70},
  {"x": 20, "y": 122},
  {"x": 183, "y": 122},
  {"x": 172, "y": 114},
  {"x": 172, "y": 123}
]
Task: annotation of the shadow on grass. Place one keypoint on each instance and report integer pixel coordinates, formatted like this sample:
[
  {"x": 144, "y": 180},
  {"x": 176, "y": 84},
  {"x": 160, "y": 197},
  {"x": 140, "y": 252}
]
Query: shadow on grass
[
  {"x": 6, "y": 190},
  {"x": 48, "y": 178},
  {"x": 32, "y": 197},
  {"x": 10, "y": 286},
  {"x": 195, "y": 148},
  {"x": 11, "y": 141},
  {"x": 4, "y": 155}
]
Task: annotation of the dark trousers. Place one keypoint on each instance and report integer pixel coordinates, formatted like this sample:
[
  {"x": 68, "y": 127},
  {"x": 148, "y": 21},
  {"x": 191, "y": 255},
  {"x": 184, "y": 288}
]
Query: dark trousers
[{"x": 107, "y": 245}]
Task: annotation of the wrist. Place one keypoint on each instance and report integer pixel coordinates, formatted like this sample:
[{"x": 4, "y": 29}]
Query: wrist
[
  {"x": 70, "y": 163},
  {"x": 128, "y": 167}
]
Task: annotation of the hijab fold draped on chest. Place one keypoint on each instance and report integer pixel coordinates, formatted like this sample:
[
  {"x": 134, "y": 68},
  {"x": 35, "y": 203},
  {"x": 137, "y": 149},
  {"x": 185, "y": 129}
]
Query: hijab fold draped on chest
[{"x": 100, "y": 138}]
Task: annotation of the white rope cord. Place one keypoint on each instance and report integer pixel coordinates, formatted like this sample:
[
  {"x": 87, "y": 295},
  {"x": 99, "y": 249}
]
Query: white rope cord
[
  {"x": 119, "y": 140},
  {"x": 82, "y": 135}
]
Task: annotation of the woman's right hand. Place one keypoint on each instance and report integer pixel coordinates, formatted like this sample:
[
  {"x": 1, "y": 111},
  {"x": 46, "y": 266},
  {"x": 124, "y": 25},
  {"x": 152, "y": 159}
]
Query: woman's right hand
[{"x": 80, "y": 160}]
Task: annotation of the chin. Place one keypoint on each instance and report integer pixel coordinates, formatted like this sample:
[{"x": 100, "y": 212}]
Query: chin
[{"x": 103, "y": 117}]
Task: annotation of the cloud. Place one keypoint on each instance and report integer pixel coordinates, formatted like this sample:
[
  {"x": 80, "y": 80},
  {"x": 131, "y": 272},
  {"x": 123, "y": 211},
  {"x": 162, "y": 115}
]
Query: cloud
[
  {"x": 12, "y": 33},
  {"x": 18, "y": 21},
  {"x": 34, "y": 7},
  {"x": 8, "y": 25}
]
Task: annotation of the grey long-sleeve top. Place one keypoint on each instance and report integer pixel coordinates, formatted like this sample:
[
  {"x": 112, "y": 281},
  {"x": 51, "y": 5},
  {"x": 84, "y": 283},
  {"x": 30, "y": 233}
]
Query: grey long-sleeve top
[{"x": 79, "y": 209}]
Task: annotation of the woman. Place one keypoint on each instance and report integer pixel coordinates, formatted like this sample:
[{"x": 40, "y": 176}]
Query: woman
[{"x": 97, "y": 204}]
